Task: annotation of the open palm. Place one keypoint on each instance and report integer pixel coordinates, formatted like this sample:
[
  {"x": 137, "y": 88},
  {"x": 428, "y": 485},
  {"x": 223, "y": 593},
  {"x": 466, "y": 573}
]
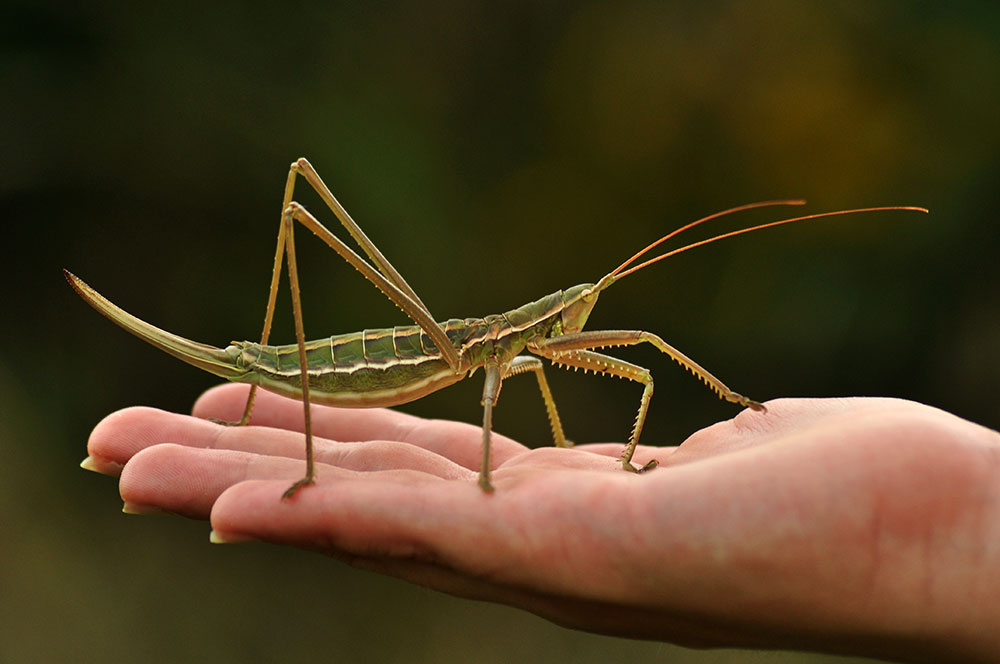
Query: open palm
[{"x": 868, "y": 526}]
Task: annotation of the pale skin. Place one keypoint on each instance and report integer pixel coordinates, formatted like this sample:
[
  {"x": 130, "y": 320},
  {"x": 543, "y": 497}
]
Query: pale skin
[{"x": 863, "y": 526}]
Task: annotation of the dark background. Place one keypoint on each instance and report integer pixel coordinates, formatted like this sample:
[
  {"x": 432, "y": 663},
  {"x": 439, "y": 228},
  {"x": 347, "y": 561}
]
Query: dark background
[{"x": 495, "y": 152}]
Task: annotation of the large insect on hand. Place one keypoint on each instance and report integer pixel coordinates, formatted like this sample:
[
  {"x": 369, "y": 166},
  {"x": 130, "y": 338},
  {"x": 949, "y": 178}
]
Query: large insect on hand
[{"x": 387, "y": 367}]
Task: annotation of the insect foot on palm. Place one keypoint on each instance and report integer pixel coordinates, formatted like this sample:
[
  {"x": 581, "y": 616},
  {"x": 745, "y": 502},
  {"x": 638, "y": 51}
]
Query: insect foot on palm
[
  {"x": 247, "y": 410},
  {"x": 748, "y": 403},
  {"x": 630, "y": 467},
  {"x": 292, "y": 490},
  {"x": 227, "y": 423}
]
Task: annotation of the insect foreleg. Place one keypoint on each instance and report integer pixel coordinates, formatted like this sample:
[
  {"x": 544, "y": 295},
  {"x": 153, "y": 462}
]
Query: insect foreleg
[
  {"x": 609, "y": 338},
  {"x": 571, "y": 349},
  {"x": 524, "y": 363}
]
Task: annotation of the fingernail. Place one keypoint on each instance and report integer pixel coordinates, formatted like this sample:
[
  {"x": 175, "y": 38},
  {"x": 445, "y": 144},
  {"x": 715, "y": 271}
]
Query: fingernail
[
  {"x": 215, "y": 537},
  {"x": 102, "y": 466},
  {"x": 137, "y": 508}
]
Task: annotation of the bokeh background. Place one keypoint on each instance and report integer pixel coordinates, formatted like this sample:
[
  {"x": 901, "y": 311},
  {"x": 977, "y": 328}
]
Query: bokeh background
[{"x": 495, "y": 152}]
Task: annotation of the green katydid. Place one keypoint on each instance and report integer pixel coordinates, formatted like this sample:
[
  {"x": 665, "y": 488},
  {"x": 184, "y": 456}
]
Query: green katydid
[{"x": 392, "y": 366}]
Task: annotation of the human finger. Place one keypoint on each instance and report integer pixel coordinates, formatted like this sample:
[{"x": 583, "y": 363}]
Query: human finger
[
  {"x": 187, "y": 481},
  {"x": 123, "y": 434},
  {"x": 460, "y": 442}
]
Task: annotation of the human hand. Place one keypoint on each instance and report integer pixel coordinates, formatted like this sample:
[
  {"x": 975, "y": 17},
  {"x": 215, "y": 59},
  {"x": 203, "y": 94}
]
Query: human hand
[{"x": 863, "y": 526}]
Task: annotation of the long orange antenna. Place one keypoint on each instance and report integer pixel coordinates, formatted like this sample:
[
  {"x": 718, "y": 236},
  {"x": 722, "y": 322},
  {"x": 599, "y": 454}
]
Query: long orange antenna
[
  {"x": 618, "y": 273},
  {"x": 740, "y": 208}
]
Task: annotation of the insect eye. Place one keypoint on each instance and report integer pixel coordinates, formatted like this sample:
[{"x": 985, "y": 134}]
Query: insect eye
[{"x": 587, "y": 295}]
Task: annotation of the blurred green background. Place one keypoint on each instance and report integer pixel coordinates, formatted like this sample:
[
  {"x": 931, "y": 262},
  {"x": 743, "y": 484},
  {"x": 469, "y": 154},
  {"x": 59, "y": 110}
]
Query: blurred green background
[{"x": 495, "y": 152}]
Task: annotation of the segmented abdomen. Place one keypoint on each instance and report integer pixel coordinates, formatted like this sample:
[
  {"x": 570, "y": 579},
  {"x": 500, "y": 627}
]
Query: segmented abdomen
[{"x": 381, "y": 367}]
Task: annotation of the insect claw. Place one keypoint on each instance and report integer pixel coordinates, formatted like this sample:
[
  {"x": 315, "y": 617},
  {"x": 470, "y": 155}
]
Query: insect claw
[
  {"x": 225, "y": 423},
  {"x": 292, "y": 490}
]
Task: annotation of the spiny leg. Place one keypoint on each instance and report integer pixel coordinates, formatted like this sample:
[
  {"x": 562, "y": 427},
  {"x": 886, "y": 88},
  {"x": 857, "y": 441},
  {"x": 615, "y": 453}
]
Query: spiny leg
[
  {"x": 524, "y": 363},
  {"x": 491, "y": 392},
  {"x": 607, "y": 365},
  {"x": 609, "y": 338},
  {"x": 570, "y": 349}
]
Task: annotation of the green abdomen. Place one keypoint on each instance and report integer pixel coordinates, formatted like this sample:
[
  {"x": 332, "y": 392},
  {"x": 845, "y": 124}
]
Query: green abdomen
[{"x": 371, "y": 368}]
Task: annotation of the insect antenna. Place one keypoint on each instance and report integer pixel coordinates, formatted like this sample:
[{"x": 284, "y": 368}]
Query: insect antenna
[
  {"x": 620, "y": 271},
  {"x": 739, "y": 208}
]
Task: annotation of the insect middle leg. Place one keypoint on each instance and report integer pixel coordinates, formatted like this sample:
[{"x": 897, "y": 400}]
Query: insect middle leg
[
  {"x": 523, "y": 364},
  {"x": 605, "y": 364},
  {"x": 491, "y": 392},
  {"x": 495, "y": 375}
]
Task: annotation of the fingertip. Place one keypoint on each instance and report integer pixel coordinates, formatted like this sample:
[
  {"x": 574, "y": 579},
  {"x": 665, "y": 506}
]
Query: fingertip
[
  {"x": 102, "y": 466},
  {"x": 120, "y": 435},
  {"x": 113, "y": 426},
  {"x": 145, "y": 480},
  {"x": 179, "y": 479}
]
